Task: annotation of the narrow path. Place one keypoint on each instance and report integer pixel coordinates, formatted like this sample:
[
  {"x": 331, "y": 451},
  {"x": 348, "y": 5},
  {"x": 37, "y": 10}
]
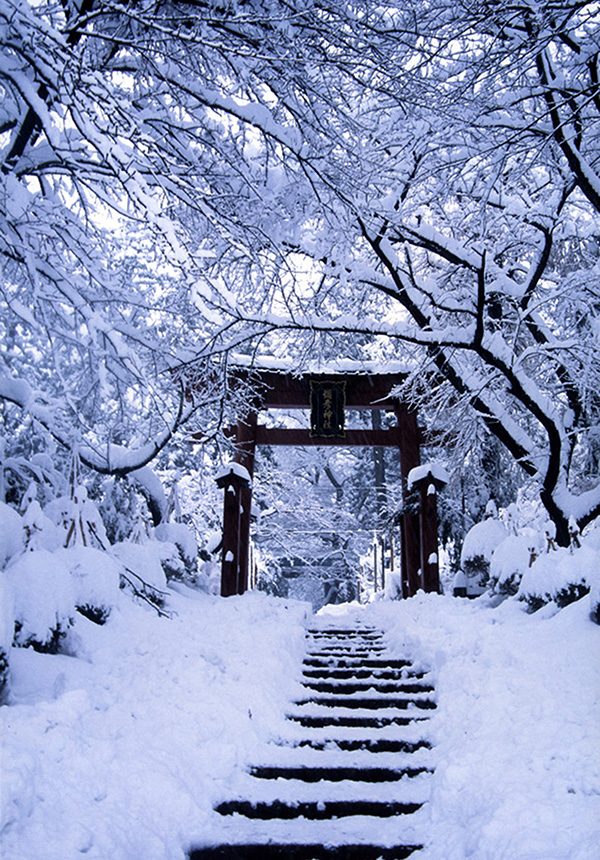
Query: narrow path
[{"x": 350, "y": 778}]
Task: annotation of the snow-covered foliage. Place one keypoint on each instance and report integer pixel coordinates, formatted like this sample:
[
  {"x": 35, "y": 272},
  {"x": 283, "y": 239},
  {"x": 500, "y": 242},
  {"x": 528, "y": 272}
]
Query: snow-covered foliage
[
  {"x": 477, "y": 549},
  {"x": 142, "y": 563},
  {"x": 39, "y": 530},
  {"x": 43, "y": 596},
  {"x": 7, "y": 629},
  {"x": 561, "y": 576},
  {"x": 511, "y": 558},
  {"x": 148, "y": 482},
  {"x": 95, "y": 577},
  {"x": 118, "y": 506},
  {"x": 59, "y": 565},
  {"x": 595, "y": 600},
  {"x": 11, "y": 533},
  {"x": 183, "y": 538}
]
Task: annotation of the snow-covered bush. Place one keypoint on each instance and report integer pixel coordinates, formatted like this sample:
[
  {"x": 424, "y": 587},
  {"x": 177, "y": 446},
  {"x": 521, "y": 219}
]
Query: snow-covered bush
[
  {"x": 592, "y": 541},
  {"x": 44, "y": 599},
  {"x": 172, "y": 563},
  {"x": 60, "y": 511},
  {"x": 179, "y": 552},
  {"x": 11, "y": 533},
  {"x": 85, "y": 526},
  {"x": 118, "y": 508},
  {"x": 479, "y": 544},
  {"x": 95, "y": 579},
  {"x": 270, "y": 579},
  {"x": 511, "y": 558},
  {"x": 595, "y": 600},
  {"x": 39, "y": 530},
  {"x": 143, "y": 569},
  {"x": 209, "y": 577},
  {"x": 7, "y": 625},
  {"x": 561, "y": 576}
]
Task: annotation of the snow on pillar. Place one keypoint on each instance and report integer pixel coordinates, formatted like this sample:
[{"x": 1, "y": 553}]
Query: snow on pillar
[{"x": 410, "y": 457}]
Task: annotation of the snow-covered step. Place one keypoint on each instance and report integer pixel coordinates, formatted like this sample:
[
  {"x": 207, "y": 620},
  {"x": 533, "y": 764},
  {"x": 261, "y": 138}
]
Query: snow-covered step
[
  {"x": 368, "y": 745},
  {"x": 338, "y": 773},
  {"x": 327, "y": 642},
  {"x": 320, "y": 661},
  {"x": 348, "y": 755},
  {"x": 347, "y": 830},
  {"x": 358, "y": 720},
  {"x": 368, "y": 703},
  {"x": 362, "y": 686},
  {"x": 249, "y": 789},
  {"x": 360, "y": 837},
  {"x": 293, "y": 734},
  {"x": 358, "y": 674},
  {"x": 272, "y": 851},
  {"x": 317, "y": 810},
  {"x": 335, "y": 648},
  {"x": 341, "y": 631},
  {"x": 327, "y": 639},
  {"x": 335, "y": 642}
]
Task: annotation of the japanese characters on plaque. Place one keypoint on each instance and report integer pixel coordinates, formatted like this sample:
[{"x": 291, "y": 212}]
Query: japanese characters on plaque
[{"x": 327, "y": 403}]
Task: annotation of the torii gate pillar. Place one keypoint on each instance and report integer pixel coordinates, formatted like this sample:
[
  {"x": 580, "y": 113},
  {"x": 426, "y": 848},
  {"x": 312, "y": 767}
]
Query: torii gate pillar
[
  {"x": 410, "y": 458},
  {"x": 244, "y": 455},
  {"x": 426, "y": 485},
  {"x": 237, "y": 505}
]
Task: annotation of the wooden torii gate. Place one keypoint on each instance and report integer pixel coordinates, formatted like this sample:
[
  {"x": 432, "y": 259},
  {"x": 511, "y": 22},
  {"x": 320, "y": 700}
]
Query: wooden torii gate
[{"x": 326, "y": 395}]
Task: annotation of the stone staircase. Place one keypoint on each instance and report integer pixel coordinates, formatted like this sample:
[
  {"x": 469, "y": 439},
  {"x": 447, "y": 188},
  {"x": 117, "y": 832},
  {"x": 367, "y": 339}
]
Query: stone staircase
[{"x": 349, "y": 780}]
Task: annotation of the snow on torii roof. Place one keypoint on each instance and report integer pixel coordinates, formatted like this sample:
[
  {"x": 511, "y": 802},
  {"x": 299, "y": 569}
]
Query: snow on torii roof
[
  {"x": 337, "y": 367},
  {"x": 283, "y": 384}
]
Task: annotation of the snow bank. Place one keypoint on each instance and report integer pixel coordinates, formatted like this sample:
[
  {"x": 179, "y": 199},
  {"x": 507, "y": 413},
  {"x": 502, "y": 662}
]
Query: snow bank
[
  {"x": 122, "y": 753},
  {"x": 7, "y": 626},
  {"x": 517, "y": 729}
]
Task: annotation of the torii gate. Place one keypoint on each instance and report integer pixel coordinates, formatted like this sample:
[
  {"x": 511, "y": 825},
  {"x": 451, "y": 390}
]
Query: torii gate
[{"x": 328, "y": 395}]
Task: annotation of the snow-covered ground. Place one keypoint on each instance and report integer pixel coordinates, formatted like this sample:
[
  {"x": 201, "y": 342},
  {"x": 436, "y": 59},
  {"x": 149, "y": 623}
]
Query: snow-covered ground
[{"x": 121, "y": 751}]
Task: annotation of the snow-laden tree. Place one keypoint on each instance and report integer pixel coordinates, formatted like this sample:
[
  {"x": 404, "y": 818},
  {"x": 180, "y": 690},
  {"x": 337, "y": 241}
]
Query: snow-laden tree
[
  {"x": 457, "y": 210},
  {"x": 185, "y": 178},
  {"x": 114, "y": 119}
]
